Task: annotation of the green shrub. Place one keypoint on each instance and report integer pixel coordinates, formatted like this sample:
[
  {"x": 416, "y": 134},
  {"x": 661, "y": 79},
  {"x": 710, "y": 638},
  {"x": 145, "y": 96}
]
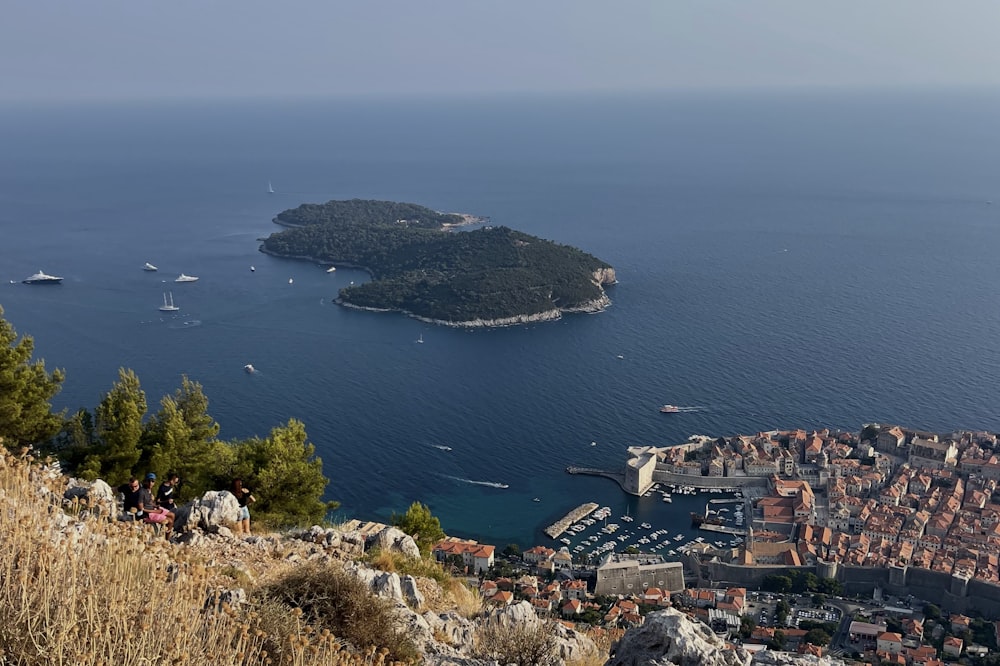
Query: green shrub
[{"x": 333, "y": 599}]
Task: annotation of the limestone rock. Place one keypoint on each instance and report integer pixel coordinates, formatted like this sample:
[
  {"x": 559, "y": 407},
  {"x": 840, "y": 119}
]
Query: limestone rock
[
  {"x": 769, "y": 658},
  {"x": 97, "y": 494},
  {"x": 214, "y": 509},
  {"x": 414, "y": 597},
  {"x": 669, "y": 638},
  {"x": 393, "y": 539},
  {"x": 457, "y": 631}
]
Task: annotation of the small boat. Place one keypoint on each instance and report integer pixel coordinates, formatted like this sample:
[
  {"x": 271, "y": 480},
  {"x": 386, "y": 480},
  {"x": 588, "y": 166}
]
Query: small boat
[
  {"x": 150, "y": 268},
  {"x": 185, "y": 278},
  {"x": 168, "y": 303},
  {"x": 620, "y": 356},
  {"x": 420, "y": 339},
  {"x": 331, "y": 269},
  {"x": 290, "y": 281},
  {"x": 593, "y": 443},
  {"x": 670, "y": 409},
  {"x": 537, "y": 499},
  {"x": 42, "y": 278},
  {"x": 252, "y": 269},
  {"x": 270, "y": 189},
  {"x": 249, "y": 368}
]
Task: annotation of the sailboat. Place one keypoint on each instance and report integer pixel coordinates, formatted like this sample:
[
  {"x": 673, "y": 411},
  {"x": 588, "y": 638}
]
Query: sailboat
[
  {"x": 420, "y": 338},
  {"x": 270, "y": 189},
  {"x": 168, "y": 303}
]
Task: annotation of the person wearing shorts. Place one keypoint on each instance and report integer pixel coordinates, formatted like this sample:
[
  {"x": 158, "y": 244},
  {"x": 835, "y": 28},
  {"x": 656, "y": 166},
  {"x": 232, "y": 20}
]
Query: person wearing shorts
[
  {"x": 245, "y": 498},
  {"x": 148, "y": 510}
]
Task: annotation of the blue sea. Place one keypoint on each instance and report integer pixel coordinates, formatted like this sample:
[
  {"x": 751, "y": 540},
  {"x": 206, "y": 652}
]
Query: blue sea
[{"x": 784, "y": 260}]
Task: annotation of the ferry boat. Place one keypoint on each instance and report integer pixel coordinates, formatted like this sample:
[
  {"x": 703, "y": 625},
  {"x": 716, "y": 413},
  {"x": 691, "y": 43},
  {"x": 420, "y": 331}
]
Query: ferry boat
[
  {"x": 42, "y": 278},
  {"x": 670, "y": 409}
]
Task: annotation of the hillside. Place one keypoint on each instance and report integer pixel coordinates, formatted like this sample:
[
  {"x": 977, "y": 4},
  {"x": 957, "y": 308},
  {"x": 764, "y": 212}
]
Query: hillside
[{"x": 487, "y": 277}]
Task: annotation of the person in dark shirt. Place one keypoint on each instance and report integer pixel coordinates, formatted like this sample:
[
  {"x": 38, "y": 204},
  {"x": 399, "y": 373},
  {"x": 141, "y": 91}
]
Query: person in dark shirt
[
  {"x": 245, "y": 498},
  {"x": 167, "y": 494},
  {"x": 132, "y": 492}
]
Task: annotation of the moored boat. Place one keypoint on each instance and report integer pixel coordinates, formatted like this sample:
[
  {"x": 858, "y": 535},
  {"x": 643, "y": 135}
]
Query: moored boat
[
  {"x": 41, "y": 278},
  {"x": 168, "y": 303}
]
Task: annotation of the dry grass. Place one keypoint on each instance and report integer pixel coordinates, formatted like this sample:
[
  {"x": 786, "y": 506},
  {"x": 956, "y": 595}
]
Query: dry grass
[
  {"x": 93, "y": 592},
  {"x": 519, "y": 644},
  {"x": 445, "y": 593}
]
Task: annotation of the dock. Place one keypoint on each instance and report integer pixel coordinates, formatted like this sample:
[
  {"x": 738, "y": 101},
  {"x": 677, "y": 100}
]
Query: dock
[
  {"x": 560, "y": 526},
  {"x": 736, "y": 531}
]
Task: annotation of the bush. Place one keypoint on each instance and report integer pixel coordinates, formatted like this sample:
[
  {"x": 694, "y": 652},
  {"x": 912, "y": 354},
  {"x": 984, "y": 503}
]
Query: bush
[
  {"x": 331, "y": 598},
  {"x": 520, "y": 644}
]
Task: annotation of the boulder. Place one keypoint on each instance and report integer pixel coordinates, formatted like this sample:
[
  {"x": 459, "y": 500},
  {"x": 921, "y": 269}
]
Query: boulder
[
  {"x": 669, "y": 638},
  {"x": 411, "y": 593},
  {"x": 213, "y": 510},
  {"x": 97, "y": 495},
  {"x": 455, "y": 630},
  {"x": 392, "y": 539}
]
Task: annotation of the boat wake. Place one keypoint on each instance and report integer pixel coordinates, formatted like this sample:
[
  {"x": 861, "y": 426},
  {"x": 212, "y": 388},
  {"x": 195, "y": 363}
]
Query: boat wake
[
  {"x": 688, "y": 410},
  {"x": 488, "y": 484}
]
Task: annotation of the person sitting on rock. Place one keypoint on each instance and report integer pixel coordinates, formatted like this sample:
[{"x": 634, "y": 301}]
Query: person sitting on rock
[
  {"x": 148, "y": 511},
  {"x": 166, "y": 495},
  {"x": 131, "y": 493}
]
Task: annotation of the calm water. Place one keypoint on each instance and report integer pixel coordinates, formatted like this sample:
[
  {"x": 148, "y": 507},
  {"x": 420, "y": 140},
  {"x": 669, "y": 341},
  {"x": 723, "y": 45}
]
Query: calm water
[{"x": 789, "y": 261}]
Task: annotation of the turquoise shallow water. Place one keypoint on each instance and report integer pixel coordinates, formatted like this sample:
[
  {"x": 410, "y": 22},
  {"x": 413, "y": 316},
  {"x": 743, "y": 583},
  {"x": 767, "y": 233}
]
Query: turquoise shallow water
[{"x": 783, "y": 262}]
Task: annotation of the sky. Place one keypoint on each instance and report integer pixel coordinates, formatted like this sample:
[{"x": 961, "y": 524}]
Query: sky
[{"x": 58, "y": 50}]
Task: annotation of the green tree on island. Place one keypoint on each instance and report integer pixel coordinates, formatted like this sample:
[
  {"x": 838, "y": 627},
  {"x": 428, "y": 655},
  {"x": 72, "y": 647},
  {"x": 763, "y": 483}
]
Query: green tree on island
[
  {"x": 26, "y": 388},
  {"x": 419, "y": 523}
]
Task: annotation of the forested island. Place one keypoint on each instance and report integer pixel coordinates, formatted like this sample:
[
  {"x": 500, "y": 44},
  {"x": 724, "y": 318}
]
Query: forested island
[{"x": 492, "y": 276}]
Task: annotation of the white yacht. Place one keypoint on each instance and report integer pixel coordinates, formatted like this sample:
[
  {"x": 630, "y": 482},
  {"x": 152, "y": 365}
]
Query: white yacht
[
  {"x": 148, "y": 267},
  {"x": 185, "y": 278},
  {"x": 249, "y": 369},
  {"x": 42, "y": 278},
  {"x": 331, "y": 269}
]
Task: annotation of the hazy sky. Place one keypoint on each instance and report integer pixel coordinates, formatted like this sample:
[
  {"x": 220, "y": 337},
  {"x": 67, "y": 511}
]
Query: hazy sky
[{"x": 107, "y": 49}]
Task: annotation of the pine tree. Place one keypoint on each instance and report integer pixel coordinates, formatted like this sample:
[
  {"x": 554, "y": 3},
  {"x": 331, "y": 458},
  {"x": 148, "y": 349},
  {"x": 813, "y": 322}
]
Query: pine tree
[
  {"x": 26, "y": 388},
  {"x": 285, "y": 475},
  {"x": 181, "y": 438},
  {"x": 419, "y": 523},
  {"x": 119, "y": 429}
]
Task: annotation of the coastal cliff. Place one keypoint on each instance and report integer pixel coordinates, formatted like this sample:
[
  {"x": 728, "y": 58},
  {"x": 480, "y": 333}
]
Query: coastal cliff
[{"x": 484, "y": 278}]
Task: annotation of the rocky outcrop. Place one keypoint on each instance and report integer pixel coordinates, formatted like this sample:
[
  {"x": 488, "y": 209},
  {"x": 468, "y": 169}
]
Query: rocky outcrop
[
  {"x": 769, "y": 658},
  {"x": 603, "y": 276},
  {"x": 671, "y": 638},
  {"x": 97, "y": 496},
  {"x": 215, "y": 509},
  {"x": 394, "y": 540}
]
